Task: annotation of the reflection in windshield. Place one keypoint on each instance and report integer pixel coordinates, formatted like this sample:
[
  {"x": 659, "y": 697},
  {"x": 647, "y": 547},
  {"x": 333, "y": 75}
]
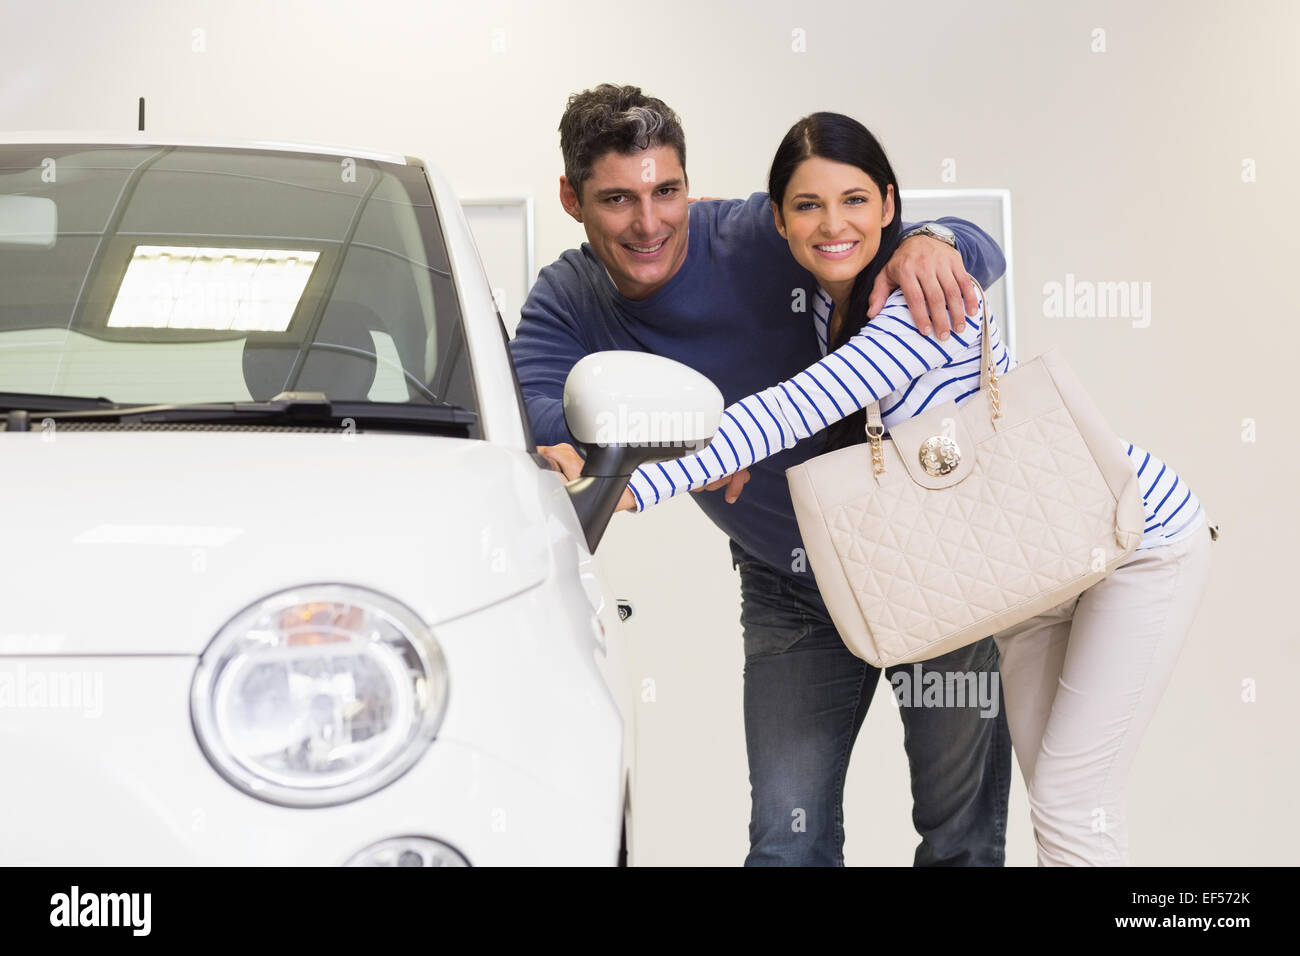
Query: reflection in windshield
[{"x": 192, "y": 287}]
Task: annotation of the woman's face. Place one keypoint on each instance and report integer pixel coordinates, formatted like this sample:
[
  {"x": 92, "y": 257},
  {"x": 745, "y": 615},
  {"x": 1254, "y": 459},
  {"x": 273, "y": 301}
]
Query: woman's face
[{"x": 832, "y": 216}]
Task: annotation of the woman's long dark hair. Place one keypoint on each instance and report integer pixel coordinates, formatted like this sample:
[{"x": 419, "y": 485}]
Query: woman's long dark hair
[{"x": 842, "y": 139}]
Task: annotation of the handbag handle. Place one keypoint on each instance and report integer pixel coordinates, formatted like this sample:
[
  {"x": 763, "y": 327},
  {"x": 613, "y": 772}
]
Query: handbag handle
[
  {"x": 988, "y": 384},
  {"x": 988, "y": 371}
]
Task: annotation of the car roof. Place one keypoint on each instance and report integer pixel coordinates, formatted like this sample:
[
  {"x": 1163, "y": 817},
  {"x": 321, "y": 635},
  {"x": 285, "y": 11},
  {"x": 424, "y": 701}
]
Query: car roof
[{"x": 133, "y": 138}]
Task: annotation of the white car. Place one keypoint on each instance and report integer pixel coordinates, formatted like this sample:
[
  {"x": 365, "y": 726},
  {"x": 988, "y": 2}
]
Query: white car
[{"x": 284, "y": 579}]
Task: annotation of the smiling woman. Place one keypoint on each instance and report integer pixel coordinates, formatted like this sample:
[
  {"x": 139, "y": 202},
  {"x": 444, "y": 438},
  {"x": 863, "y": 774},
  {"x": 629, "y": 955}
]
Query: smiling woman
[
  {"x": 1126, "y": 557},
  {"x": 837, "y": 234}
]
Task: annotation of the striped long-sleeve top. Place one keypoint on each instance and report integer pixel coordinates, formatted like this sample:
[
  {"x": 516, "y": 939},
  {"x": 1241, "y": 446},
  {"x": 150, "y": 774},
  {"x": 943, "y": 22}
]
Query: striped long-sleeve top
[{"x": 891, "y": 362}]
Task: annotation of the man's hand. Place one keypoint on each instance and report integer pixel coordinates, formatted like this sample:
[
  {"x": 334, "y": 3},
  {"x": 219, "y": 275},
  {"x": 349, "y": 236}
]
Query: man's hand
[
  {"x": 563, "y": 458},
  {"x": 691, "y": 199},
  {"x": 734, "y": 484},
  {"x": 934, "y": 282}
]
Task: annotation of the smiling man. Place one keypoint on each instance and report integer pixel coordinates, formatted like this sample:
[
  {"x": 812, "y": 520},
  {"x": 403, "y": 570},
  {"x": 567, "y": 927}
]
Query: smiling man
[
  {"x": 640, "y": 233},
  {"x": 713, "y": 285}
]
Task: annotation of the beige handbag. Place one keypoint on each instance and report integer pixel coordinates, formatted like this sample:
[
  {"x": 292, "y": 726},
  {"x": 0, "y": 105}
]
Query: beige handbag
[{"x": 965, "y": 521}]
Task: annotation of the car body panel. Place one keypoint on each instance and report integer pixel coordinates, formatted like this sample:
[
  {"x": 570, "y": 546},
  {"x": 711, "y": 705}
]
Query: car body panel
[
  {"x": 131, "y": 787},
  {"x": 165, "y": 534}
]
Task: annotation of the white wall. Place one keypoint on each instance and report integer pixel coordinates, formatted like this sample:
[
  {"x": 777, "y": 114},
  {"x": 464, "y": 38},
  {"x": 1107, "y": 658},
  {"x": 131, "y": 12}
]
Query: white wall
[{"x": 1123, "y": 165}]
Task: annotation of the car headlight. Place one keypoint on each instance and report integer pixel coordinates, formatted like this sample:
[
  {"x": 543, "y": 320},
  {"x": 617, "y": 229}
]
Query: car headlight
[{"x": 319, "y": 695}]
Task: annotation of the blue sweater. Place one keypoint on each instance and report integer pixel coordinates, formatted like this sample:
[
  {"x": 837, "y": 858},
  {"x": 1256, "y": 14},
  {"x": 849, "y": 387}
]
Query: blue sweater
[{"x": 738, "y": 311}]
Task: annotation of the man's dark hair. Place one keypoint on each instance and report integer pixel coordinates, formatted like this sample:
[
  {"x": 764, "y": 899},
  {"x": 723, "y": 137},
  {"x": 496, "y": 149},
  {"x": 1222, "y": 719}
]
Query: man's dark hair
[{"x": 609, "y": 118}]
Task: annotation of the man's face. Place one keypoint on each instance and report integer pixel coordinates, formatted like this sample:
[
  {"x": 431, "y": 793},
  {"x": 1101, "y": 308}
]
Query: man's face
[{"x": 635, "y": 212}]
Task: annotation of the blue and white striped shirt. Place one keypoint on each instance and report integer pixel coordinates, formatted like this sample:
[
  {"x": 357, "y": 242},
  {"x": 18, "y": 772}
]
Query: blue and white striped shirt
[{"x": 888, "y": 361}]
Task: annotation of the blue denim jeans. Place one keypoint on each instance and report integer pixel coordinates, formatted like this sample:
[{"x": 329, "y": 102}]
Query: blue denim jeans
[{"x": 806, "y": 696}]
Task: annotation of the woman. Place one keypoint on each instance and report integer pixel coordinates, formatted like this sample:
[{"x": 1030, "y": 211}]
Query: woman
[{"x": 1082, "y": 680}]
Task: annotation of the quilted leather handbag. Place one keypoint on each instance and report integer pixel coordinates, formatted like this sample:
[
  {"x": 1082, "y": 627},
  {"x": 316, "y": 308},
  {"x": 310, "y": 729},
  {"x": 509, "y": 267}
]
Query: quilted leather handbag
[{"x": 966, "y": 521}]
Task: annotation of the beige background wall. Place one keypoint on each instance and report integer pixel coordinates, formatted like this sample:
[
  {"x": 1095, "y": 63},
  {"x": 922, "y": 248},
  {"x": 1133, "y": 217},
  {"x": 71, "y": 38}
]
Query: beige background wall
[{"x": 1124, "y": 165}]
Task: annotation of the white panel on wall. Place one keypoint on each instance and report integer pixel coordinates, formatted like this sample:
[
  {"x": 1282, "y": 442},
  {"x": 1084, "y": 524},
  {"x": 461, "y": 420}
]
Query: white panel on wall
[
  {"x": 503, "y": 232},
  {"x": 990, "y": 209}
]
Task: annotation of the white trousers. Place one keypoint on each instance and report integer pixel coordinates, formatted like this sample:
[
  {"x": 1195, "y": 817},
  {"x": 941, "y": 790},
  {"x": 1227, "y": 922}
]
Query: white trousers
[{"x": 1081, "y": 682}]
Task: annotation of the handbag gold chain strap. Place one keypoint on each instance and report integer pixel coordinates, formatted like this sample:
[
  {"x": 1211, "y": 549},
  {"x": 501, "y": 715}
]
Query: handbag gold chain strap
[{"x": 876, "y": 429}]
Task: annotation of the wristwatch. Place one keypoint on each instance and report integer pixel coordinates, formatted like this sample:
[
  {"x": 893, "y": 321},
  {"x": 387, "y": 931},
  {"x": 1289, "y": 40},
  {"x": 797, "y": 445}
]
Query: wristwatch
[{"x": 935, "y": 231}]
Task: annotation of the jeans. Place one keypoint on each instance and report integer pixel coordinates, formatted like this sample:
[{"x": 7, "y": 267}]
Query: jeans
[{"x": 806, "y": 696}]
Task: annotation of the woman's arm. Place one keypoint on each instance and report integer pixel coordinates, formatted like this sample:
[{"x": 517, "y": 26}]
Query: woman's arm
[{"x": 887, "y": 354}]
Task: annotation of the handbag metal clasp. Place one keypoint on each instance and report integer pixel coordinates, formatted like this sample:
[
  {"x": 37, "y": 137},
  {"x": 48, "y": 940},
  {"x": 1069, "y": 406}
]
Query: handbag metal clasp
[{"x": 940, "y": 455}]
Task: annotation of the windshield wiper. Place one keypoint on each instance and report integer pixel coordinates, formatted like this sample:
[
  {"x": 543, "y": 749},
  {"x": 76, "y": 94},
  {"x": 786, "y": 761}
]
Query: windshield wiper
[
  {"x": 39, "y": 401},
  {"x": 291, "y": 408}
]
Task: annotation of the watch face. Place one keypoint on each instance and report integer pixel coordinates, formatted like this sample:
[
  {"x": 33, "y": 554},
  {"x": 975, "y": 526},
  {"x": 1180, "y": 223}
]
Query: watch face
[{"x": 942, "y": 232}]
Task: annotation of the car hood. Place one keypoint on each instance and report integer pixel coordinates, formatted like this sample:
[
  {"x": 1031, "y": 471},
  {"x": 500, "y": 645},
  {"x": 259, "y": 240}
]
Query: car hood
[{"x": 147, "y": 542}]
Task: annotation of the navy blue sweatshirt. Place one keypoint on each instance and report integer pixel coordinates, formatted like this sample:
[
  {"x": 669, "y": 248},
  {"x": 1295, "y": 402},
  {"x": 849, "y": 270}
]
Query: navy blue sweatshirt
[{"x": 738, "y": 311}]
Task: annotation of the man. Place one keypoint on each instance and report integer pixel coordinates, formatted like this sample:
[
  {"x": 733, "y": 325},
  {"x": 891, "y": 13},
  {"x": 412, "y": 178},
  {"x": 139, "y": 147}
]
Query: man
[{"x": 713, "y": 285}]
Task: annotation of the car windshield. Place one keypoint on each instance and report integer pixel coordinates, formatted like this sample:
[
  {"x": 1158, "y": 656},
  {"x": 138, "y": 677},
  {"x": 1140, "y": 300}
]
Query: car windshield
[{"x": 160, "y": 274}]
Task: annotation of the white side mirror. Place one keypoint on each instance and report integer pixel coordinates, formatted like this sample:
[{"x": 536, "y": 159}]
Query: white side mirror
[{"x": 624, "y": 398}]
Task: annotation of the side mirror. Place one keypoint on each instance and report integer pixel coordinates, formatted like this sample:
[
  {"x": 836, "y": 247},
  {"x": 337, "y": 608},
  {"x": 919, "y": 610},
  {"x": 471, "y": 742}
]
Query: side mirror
[{"x": 625, "y": 409}]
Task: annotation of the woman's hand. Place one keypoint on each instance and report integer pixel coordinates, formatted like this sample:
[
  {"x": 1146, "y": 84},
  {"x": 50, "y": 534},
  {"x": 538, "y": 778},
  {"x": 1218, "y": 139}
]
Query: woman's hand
[{"x": 733, "y": 483}]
